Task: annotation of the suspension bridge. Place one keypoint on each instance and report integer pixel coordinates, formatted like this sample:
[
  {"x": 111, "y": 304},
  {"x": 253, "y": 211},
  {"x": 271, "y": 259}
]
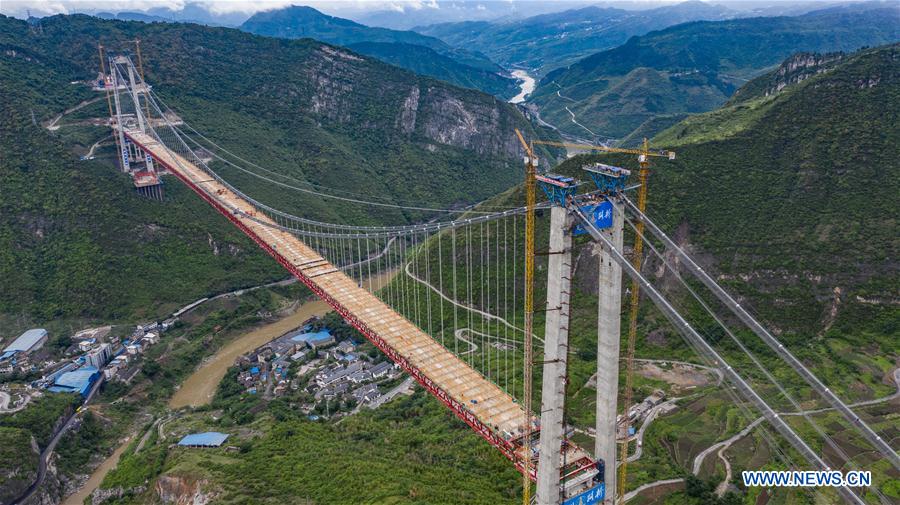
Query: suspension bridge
[{"x": 458, "y": 314}]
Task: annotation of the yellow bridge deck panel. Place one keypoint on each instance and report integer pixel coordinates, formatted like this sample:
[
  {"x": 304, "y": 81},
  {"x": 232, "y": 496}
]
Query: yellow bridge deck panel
[{"x": 485, "y": 400}]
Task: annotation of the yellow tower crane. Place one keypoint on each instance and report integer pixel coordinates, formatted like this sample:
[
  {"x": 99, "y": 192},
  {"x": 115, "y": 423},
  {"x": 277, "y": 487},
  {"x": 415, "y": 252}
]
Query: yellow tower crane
[
  {"x": 137, "y": 44},
  {"x": 643, "y": 153},
  {"x": 528, "y": 359}
]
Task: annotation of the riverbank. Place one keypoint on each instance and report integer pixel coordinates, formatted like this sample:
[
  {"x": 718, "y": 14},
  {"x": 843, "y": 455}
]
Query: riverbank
[
  {"x": 526, "y": 86},
  {"x": 97, "y": 476},
  {"x": 200, "y": 387}
]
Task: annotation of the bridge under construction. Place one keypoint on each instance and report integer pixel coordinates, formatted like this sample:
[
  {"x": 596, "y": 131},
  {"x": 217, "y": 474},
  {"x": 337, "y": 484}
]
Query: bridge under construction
[{"x": 455, "y": 266}]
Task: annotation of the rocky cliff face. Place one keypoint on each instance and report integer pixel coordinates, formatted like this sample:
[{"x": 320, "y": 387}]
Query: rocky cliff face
[
  {"x": 15, "y": 477},
  {"x": 342, "y": 85},
  {"x": 801, "y": 67},
  {"x": 793, "y": 70},
  {"x": 184, "y": 490}
]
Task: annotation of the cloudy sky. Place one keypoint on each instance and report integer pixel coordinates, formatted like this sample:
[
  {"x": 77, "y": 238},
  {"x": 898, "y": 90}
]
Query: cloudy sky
[
  {"x": 231, "y": 12},
  {"x": 15, "y": 7}
]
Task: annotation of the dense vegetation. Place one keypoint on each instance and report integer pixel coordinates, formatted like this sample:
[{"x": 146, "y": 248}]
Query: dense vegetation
[
  {"x": 42, "y": 417},
  {"x": 426, "y": 61},
  {"x": 695, "y": 67},
  {"x": 457, "y": 66},
  {"x": 103, "y": 252},
  {"x": 819, "y": 202}
]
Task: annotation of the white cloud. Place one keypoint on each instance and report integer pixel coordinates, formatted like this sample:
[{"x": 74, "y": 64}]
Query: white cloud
[{"x": 71, "y": 6}]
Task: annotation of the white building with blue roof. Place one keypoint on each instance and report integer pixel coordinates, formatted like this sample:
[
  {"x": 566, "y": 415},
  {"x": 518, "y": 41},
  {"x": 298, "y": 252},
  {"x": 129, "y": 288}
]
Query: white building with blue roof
[{"x": 27, "y": 342}]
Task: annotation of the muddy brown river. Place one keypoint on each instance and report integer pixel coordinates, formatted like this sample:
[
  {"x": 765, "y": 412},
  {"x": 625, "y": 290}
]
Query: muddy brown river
[{"x": 200, "y": 387}]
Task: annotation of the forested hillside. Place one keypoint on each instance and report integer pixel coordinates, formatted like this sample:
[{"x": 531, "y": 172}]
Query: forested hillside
[
  {"x": 77, "y": 241},
  {"x": 695, "y": 67},
  {"x": 801, "y": 205},
  {"x": 72, "y": 253},
  {"x": 459, "y": 66}
]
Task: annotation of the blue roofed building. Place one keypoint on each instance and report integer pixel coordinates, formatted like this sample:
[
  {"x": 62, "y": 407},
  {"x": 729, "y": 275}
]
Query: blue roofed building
[
  {"x": 76, "y": 381},
  {"x": 29, "y": 341},
  {"x": 207, "y": 439},
  {"x": 318, "y": 339}
]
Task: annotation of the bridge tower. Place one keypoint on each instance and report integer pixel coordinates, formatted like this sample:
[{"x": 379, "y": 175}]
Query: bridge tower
[
  {"x": 609, "y": 180},
  {"x": 137, "y": 162},
  {"x": 607, "y": 215},
  {"x": 117, "y": 118},
  {"x": 556, "y": 339}
]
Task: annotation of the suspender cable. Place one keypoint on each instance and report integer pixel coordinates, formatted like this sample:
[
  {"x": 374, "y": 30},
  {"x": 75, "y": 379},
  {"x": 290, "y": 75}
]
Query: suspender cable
[
  {"x": 441, "y": 283},
  {"x": 455, "y": 293}
]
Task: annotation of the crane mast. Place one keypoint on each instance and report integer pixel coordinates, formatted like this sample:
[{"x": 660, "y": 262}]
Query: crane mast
[{"x": 528, "y": 359}]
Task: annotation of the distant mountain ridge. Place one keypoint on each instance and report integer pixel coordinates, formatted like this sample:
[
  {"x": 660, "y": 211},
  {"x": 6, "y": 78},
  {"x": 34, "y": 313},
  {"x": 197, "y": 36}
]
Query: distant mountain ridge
[
  {"x": 813, "y": 75},
  {"x": 465, "y": 68},
  {"x": 545, "y": 42},
  {"x": 426, "y": 61},
  {"x": 695, "y": 67}
]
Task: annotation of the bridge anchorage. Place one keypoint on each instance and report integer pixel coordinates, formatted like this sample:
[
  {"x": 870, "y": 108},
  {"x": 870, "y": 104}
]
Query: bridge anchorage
[{"x": 451, "y": 314}]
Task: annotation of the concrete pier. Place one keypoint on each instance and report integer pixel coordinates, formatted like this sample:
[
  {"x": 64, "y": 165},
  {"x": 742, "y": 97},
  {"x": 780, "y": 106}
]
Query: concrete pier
[
  {"x": 609, "y": 314},
  {"x": 556, "y": 346}
]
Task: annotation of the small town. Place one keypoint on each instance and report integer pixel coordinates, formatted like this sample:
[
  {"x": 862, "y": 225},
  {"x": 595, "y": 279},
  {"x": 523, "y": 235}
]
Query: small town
[
  {"x": 328, "y": 377},
  {"x": 91, "y": 356}
]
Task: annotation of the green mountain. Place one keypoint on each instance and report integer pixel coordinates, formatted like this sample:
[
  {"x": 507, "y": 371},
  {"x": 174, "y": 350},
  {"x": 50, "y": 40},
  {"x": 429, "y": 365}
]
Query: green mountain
[
  {"x": 403, "y": 48},
  {"x": 696, "y": 67},
  {"x": 426, "y": 61},
  {"x": 804, "y": 180},
  {"x": 549, "y": 41},
  {"x": 102, "y": 252},
  {"x": 795, "y": 217}
]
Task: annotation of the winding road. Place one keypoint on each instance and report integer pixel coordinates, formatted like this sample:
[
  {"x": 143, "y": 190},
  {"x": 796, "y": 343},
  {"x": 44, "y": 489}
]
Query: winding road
[
  {"x": 5, "y": 398},
  {"x": 96, "y": 145},
  {"x": 721, "y": 447},
  {"x": 48, "y": 451},
  {"x": 53, "y": 126},
  {"x": 463, "y": 306},
  {"x": 639, "y": 436}
]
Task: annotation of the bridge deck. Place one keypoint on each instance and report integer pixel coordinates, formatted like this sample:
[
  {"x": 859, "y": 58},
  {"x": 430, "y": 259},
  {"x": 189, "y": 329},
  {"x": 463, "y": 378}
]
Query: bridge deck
[{"x": 477, "y": 401}]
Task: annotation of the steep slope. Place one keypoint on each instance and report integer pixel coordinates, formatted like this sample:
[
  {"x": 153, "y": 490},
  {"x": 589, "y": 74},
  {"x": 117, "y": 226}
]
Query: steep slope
[
  {"x": 805, "y": 182},
  {"x": 305, "y": 22},
  {"x": 304, "y": 109},
  {"x": 549, "y": 41},
  {"x": 98, "y": 250},
  {"x": 426, "y": 61},
  {"x": 696, "y": 66}
]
